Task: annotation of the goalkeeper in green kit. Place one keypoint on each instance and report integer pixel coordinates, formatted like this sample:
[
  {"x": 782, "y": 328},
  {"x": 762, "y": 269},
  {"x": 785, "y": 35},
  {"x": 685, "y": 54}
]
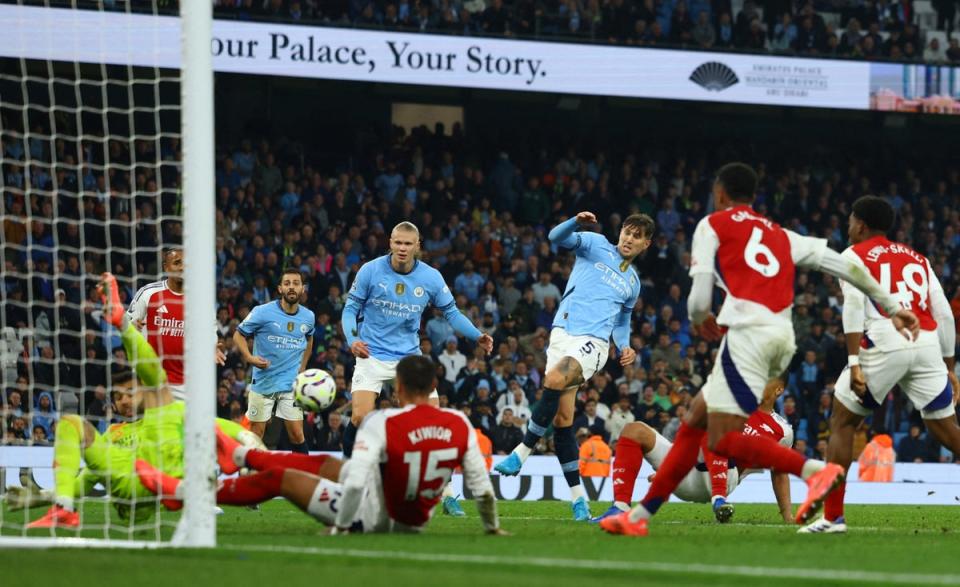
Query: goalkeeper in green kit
[{"x": 157, "y": 437}]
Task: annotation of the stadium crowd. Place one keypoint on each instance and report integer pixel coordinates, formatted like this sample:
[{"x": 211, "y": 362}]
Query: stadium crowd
[
  {"x": 870, "y": 29},
  {"x": 483, "y": 214},
  {"x": 899, "y": 30}
]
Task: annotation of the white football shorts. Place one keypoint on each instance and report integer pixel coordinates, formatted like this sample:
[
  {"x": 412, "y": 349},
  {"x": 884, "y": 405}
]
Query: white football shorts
[
  {"x": 589, "y": 351},
  {"x": 920, "y": 372},
  {"x": 749, "y": 357},
  {"x": 371, "y": 373},
  {"x": 260, "y": 408}
]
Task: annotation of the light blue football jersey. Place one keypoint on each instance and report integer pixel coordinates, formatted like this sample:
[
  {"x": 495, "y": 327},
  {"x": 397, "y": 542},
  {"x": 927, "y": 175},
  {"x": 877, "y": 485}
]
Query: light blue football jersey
[
  {"x": 281, "y": 339},
  {"x": 392, "y": 303},
  {"x": 601, "y": 286}
]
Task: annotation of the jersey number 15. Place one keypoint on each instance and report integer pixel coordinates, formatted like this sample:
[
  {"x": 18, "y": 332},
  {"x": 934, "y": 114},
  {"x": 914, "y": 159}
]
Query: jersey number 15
[{"x": 431, "y": 474}]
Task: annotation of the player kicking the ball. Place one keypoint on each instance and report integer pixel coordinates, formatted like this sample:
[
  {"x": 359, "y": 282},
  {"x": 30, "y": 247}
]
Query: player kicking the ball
[
  {"x": 879, "y": 358},
  {"x": 390, "y": 294},
  {"x": 402, "y": 459},
  {"x": 714, "y": 479},
  {"x": 597, "y": 304},
  {"x": 755, "y": 261}
]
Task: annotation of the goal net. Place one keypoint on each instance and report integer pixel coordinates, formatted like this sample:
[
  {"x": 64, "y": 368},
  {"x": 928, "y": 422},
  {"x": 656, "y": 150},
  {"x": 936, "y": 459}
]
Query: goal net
[{"x": 106, "y": 165}]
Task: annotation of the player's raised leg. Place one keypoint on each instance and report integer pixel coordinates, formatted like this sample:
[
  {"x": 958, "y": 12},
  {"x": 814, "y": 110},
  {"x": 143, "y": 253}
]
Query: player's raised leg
[{"x": 232, "y": 455}]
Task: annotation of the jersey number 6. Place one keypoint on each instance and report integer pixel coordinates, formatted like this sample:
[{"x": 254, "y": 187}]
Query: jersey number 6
[{"x": 759, "y": 257}]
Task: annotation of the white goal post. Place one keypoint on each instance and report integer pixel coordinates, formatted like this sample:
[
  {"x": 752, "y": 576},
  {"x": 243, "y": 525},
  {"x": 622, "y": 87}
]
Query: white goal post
[{"x": 61, "y": 90}]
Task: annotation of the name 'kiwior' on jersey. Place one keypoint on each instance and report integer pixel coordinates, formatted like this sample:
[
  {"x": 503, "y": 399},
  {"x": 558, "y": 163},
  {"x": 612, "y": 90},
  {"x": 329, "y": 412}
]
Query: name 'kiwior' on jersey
[{"x": 601, "y": 285}]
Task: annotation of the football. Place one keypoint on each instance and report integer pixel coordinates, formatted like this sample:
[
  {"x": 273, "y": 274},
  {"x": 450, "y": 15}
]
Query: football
[{"x": 314, "y": 390}]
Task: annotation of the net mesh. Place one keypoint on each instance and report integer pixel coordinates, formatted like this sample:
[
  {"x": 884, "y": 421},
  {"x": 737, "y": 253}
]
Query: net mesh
[{"x": 91, "y": 174}]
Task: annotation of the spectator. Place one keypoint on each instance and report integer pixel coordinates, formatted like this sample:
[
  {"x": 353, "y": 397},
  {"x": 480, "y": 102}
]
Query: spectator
[
  {"x": 784, "y": 36},
  {"x": 620, "y": 416},
  {"x": 452, "y": 359},
  {"x": 703, "y": 32},
  {"x": 934, "y": 52},
  {"x": 469, "y": 283},
  {"x": 514, "y": 400},
  {"x": 913, "y": 447},
  {"x": 595, "y": 454},
  {"x": 329, "y": 437},
  {"x": 506, "y": 435},
  {"x": 545, "y": 288},
  {"x": 590, "y": 420}
]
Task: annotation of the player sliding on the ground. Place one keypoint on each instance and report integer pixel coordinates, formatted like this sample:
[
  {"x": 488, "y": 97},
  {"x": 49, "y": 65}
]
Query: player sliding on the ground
[
  {"x": 714, "y": 479},
  {"x": 403, "y": 457},
  {"x": 879, "y": 358},
  {"x": 157, "y": 437},
  {"x": 597, "y": 304},
  {"x": 755, "y": 261},
  {"x": 390, "y": 294}
]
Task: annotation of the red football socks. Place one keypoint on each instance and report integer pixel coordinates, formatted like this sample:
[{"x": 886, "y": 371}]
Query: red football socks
[
  {"x": 717, "y": 468},
  {"x": 629, "y": 459},
  {"x": 681, "y": 458},
  {"x": 262, "y": 460},
  {"x": 251, "y": 489},
  {"x": 759, "y": 452},
  {"x": 833, "y": 506}
]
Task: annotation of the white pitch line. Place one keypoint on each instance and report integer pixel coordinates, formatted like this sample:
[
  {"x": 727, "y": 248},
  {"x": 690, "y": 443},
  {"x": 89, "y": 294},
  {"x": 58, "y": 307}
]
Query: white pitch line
[
  {"x": 600, "y": 565},
  {"x": 852, "y": 529}
]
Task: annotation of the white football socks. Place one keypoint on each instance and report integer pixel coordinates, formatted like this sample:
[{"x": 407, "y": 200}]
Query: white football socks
[
  {"x": 576, "y": 492},
  {"x": 523, "y": 451},
  {"x": 639, "y": 513},
  {"x": 240, "y": 455}
]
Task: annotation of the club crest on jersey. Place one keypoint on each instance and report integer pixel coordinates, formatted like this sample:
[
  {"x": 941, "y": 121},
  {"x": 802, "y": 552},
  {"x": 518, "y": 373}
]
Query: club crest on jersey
[
  {"x": 400, "y": 288},
  {"x": 290, "y": 326},
  {"x": 418, "y": 292}
]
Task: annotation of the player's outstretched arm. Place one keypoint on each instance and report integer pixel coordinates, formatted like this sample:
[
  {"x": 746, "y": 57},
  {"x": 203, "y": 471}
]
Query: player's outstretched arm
[
  {"x": 621, "y": 337},
  {"x": 564, "y": 234},
  {"x": 367, "y": 451},
  {"x": 781, "y": 489},
  {"x": 835, "y": 264},
  {"x": 476, "y": 478}
]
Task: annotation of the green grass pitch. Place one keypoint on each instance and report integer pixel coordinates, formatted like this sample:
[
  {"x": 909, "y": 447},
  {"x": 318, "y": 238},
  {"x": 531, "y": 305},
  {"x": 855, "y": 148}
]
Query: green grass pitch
[{"x": 897, "y": 545}]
